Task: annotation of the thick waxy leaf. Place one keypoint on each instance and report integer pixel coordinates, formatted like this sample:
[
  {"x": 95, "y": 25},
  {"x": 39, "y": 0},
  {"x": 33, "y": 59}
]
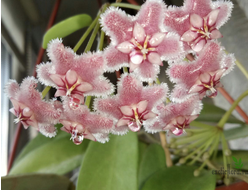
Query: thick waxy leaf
[
  {"x": 142, "y": 148},
  {"x": 212, "y": 113},
  {"x": 112, "y": 165},
  {"x": 153, "y": 159},
  {"x": 181, "y": 178},
  {"x": 237, "y": 132},
  {"x": 57, "y": 155},
  {"x": 66, "y": 27},
  {"x": 241, "y": 157},
  {"x": 37, "y": 182}
]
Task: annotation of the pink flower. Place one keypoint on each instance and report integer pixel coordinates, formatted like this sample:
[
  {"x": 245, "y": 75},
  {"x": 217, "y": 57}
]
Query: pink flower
[
  {"x": 201, "y": 76},
  {"x": 74, "y": 75},
  {"x": 30, "y": 109},
  {"x": 132, "y": 106},
  {"x": 82, "y": 124},
  {"x": 140, "y": 40},
  {"x": 198, "y": 21},
  {"x": 70, "y": 85},
  {"x": 175, "y": 117}
]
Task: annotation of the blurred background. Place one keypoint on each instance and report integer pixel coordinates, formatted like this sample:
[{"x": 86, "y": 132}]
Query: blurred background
[{"x": 24, "y": 23}]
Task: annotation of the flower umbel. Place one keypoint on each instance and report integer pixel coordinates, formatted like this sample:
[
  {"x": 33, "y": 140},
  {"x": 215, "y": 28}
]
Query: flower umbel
[{"x": 132, "y": 106}]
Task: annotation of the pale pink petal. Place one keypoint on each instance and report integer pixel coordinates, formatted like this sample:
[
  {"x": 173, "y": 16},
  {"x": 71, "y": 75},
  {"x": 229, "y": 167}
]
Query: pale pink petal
[
  {"x": 219, "y": 74},
  {"x": 205, "y": 78},
  {"x": 88, "y": 135},
  {"x": 122, "y": 122},
  {"x": 195, "y": 88},
  {"x": 84, "y": 87},
  {"x": 71, "y": 77},
  {"x": 125, "y": 47},
  {"x": 212, "y": 17},
  {"x": 15, "y": 103},
  {"x": 58, "y": 80},
  {"x": 126, "y": 110},
  {"x": 12, "y": 110},
  {"x": 139, "y": 33},
  {"x": 155, "y": 58},
  {"x": 142, "y": 106},
  {"x": 25, "y": 124},
  {"x": 157, "y": 38},
  {"x": 192, "y": 118},
  {"x": 198, "y": 46},
  {"x": 196, "y": 21},
  {"x": 189, "y": 36},
  {"x": 27, "y": 112},
  {"x": 215, "y": 34},
  {"x": 180, "y": 119},
  {"x": 32, "y": 123},
  {"x": 149, "y": 115},
  {"x": 60, "y": 92},
  {"x": 133, "y": 66}
]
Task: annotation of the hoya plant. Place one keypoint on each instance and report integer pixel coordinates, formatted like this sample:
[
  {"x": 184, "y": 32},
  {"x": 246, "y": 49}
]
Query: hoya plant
[{"x": 137, "y": 133}]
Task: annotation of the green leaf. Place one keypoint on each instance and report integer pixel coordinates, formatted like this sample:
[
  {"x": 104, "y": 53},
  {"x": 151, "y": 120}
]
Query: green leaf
[
  {"x": 66, "y": 27},
  {"x": 37, "y": 182},
  {"x": 110, "y": 166},
  {"x": 153, "y": 159},
  {"x": 181, "y": 178},
  {"x": 40, "y": 140},
  {"x": 236, "y": 155},
  {"x": 142, "y": 148},
  {"x": 212, "y": 113},
  {"x": 57, "y": 155},
  {"x": 237, "y": 132}
]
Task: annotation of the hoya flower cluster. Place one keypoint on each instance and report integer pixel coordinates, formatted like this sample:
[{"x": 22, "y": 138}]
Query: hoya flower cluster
[{"x": 143, "y": 42}]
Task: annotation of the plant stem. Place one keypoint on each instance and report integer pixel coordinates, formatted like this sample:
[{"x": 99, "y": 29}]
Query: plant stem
[
  {"x": 151, "y": 138},
  {"x": 85, "y": 35},
  {"x": 241, "y": 67},
  {"x": 88, "y": 100},
  {"x": 228, "y": 113},
  {"x": 126, "y": 5},
  {"x": 45, "y": 91},
  {"x": 201, "y": 125},
  {"x": 193, "y": 138},
  {"x": 125, "y": 70},
  {"x": 164, "y": 144},
  {"x": 92, "y": 37},
  {"x": 101, "y": 41},
  {"x": 157, "y": 81},
  {"x": 231, "y": 101}
]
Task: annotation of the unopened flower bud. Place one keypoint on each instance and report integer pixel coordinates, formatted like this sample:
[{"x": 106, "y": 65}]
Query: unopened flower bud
[
  {"x": 196, "y": 173},
  {"x": 182, "y": 161},
  {"x": 185, "y": 150},
  {"x": 228, "y": 152},
  {"x": 205, "y": 156},
  {"x": 173, "y": 146},
  {"x": 177, "y": 151}
]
